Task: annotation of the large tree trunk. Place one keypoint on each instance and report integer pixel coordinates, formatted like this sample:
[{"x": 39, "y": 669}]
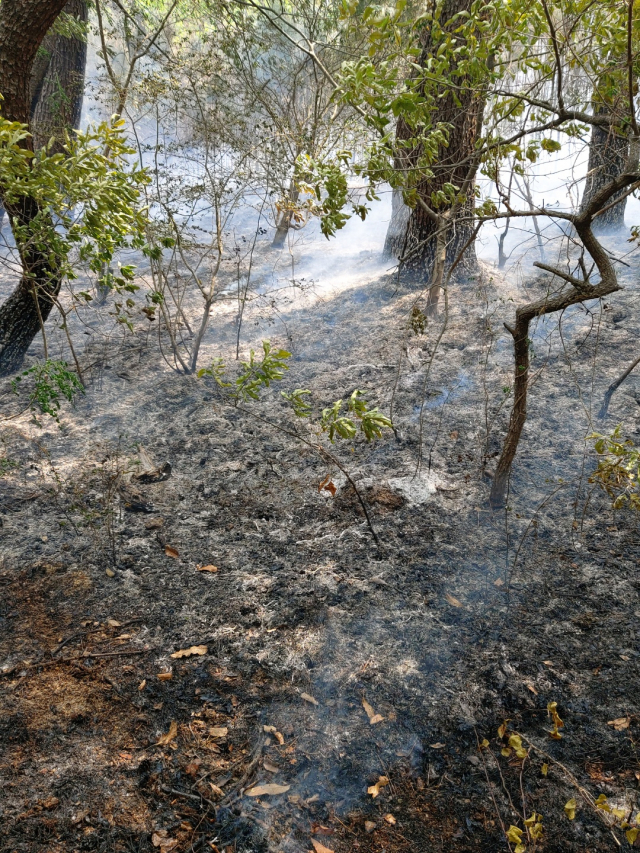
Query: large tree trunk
[
  {"x": 608, "y": 154},
  {"x": 57, "y": 82},
  {"x": 23, "y": 27},
  {"x": 394, "y": 243},
  {"x": 417, "y": 248}
]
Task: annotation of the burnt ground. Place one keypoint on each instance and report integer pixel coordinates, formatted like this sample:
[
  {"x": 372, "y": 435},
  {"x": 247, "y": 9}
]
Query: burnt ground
[{"x": 460, "y": 620}]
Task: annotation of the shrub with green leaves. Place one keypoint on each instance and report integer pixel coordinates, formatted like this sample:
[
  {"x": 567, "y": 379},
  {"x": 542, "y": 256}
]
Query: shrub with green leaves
[
  {"x": 258, "y": 374},
  {"x": 50, "y": 382},
  {"x": 618, "y": 470}
]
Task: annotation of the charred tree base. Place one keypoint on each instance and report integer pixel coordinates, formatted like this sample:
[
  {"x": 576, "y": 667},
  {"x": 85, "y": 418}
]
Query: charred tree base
[{"x": 22, "y": 318}]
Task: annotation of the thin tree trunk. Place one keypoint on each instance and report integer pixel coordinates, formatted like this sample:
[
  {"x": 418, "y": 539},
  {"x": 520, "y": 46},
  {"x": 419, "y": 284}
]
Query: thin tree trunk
[
  {"x": 23, "y": 26},
  {"x": 284, "y": 223},
  {"x": 57, "y": 82}
]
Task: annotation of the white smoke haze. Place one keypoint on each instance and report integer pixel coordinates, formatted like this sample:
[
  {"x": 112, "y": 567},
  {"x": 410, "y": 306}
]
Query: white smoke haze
[{"x": 457, "y": 603}]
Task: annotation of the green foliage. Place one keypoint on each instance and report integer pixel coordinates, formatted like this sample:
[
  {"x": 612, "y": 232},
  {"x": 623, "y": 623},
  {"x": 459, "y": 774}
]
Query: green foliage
[
  {"x": 51, "y": 381},
  {"x": 88, "y": 200},
  {"x": 256, "y": 375},
  {"x": 618, "y": 469},
  {"x": 7, "y": 466},
  {"x": 371, "y": 422}
]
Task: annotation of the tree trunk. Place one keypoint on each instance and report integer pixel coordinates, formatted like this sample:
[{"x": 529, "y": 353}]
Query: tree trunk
[
  {"x": 23, "y": 26},
  {"x": 416, "y": 251},
  {"x": 57, "y": 82},
  {"x": 397, "y": 231},
  {"x": 608, "y": 154}
]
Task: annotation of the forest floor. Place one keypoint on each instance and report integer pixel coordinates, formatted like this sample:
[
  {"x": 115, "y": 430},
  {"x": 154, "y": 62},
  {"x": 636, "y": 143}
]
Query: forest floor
[{"x": 325, "y": 665}]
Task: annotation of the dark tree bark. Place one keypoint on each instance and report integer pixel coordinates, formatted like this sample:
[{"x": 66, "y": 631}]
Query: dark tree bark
[
  {"x": 23, "y": 27},
  {"x": 608, "y": 154},
  {"x": 417, "y": 248},
  {"x": 57, "y": 82}
]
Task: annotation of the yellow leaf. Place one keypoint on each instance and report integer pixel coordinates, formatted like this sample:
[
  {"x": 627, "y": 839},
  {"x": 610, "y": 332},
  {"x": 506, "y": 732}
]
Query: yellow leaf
[
  {"x": 519, "y": 848},
  {"x": 484, "y": 744},
  {"x": 544, "y": 769},
  {"x": 570, "y": 808},
  {"x": 632, "y": 834},
  {"x": 506, "y": 751},
  {"x": 503, "y": 729},
  {"x": 268, "y": 790},
  {"x": 374, "y": 790},
  {"x": 514, "y": 834},
  {"x": 192, "y": 650},
  {"x": 170, "y": 735},
  {"x": 452, "y": 600}
]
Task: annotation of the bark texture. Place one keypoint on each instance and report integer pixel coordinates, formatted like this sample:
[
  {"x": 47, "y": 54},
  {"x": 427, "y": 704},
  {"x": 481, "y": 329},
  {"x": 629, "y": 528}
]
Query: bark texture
[
  {"x": 608, "y": 154},
  {"x": 57, "y": 82},
  {"x": 417, "y": 248},
  {"x": 23, "y": 27}
]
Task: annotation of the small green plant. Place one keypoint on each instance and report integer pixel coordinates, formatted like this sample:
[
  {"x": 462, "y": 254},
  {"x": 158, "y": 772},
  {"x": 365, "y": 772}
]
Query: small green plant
[
  {"x": 52, "y": 382},
  {"x": 7, "y": 466},
  {"x": 618, "y": 469},
  {"x": 259, "y": 374}
]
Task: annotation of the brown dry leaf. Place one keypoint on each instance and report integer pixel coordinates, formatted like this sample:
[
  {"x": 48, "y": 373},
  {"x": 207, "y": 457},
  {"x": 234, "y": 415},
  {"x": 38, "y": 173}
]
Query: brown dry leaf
[
  {"x": 390, "y": 819},
  {"x": 271, "y": 730},
  {"x": 207, "y": 568},
  {"x": 369, "y": 826},
  {"x": 165, "y": 676},
  {"x": 170, "y": 735},
  {"x": 547, "y": 662},
  {"x": 216, "y": 790},
  {"x": 531, "y": 687},
  {"x": 453, "y": 434},
  {"x": 171, "y": 552},
  {"x": 268, "y": 790},
  {"x": 620, "y": 724},
  {"x": 308, "y": 698},
  {"x": 327, "y": 486},
  {"x": 142, "y": 684},
  {"x": 218, "y": 731},
  {"x": 374, "y": 790},
  {"x": 192, "y": 650},
  {"x": 373, "y": 717},
  {"x": 161, "y": 839},
  {"x": 113, "y": 623},
  {"x": 154, "y": 523},
  {"x": 499, "y": 582},
  {"x": 452, "y": 600},
  {"x": 437, "y": 745},
  {"x": 320, "y": 848},
  {"x": 272, "y": 768},
  {"x": 625, "y": 657}
]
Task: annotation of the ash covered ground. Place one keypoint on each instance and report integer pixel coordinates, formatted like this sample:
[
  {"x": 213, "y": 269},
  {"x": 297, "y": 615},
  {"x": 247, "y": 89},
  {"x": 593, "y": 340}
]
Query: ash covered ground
[{"x": 331, "y": 665}]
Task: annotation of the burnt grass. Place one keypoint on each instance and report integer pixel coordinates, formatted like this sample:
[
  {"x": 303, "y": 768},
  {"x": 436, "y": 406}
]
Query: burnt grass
[{"x": 462, "y": 618}]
